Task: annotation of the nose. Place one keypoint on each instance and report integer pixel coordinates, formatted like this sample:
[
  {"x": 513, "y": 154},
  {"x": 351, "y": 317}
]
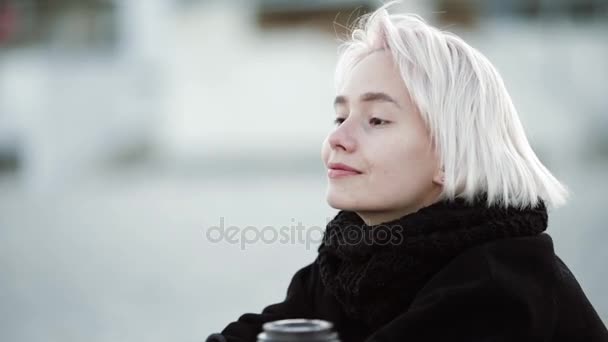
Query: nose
[{"x": 342, "y": 138}]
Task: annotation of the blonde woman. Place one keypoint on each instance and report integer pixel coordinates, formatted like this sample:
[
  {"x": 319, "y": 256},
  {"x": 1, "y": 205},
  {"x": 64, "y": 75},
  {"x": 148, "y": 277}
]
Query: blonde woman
[{"x": 443, "y": 205}]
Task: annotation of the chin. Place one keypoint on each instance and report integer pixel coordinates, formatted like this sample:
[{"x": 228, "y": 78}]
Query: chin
[
  {"x": 335, "y": 201},
  {"x": 341, "y": 202}
]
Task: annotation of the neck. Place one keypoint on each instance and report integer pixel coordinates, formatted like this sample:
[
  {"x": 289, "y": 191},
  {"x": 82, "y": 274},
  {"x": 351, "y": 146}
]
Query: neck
[{"x": 376, "y": 217}]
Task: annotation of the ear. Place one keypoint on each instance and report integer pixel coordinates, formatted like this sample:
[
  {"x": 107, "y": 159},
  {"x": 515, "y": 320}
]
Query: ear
[{"x": 439, "y": 177}]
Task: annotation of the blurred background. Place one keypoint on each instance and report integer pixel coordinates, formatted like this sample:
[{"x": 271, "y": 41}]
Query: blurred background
[{"x": 129, "y": 128}]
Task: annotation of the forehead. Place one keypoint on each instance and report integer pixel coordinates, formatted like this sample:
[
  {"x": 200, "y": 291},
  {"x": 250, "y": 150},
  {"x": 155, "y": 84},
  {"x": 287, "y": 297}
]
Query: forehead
[{"x": 376, "y": 72}]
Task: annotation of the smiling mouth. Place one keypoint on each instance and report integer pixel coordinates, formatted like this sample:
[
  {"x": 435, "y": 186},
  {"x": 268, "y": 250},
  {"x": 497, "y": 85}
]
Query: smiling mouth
[{"x": 340, "y": 173}]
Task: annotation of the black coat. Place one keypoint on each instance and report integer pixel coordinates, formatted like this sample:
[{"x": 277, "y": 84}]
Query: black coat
[{"x": 513, "y": 289}]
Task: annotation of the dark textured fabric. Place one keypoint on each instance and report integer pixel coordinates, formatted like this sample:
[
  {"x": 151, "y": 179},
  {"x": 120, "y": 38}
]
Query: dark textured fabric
[
  {"x": 215, "y": 338},
  {"x": 375, "y": 271},
  {"x": 460, "y": 273}
]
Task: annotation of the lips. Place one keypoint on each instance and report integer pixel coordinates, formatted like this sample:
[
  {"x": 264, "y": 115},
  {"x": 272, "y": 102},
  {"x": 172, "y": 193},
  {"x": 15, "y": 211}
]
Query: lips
[
  {"x": 336, "y": 170},
  {"x": 340, "y": 166}
]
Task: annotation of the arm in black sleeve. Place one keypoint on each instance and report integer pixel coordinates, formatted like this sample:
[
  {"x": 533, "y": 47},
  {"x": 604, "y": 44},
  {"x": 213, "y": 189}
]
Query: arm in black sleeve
[{"x": 296, "y": 305}]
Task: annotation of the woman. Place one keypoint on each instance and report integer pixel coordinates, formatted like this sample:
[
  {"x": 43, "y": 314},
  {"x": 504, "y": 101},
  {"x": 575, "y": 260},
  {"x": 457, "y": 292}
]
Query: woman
[{"x": 441, "y": 230}]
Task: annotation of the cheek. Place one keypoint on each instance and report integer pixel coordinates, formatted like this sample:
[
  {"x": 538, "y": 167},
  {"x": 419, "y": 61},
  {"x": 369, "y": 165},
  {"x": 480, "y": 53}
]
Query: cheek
[
  {"x": 401, "y": 161},
  {"x": 387, "y": 161}
]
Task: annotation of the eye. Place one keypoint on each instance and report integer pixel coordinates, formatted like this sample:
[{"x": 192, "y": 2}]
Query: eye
[
  {"x": 338, "y": 121},
  {"x": 378, "y": 122}
]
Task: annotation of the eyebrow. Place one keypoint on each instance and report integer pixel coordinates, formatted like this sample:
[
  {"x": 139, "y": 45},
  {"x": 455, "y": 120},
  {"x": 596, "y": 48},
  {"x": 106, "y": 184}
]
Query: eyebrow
[{"x": 367, "y": 97}]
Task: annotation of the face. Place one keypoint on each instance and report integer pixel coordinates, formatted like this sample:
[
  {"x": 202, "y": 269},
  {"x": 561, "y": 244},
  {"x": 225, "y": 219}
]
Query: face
[{"x": 379, "y": 133}]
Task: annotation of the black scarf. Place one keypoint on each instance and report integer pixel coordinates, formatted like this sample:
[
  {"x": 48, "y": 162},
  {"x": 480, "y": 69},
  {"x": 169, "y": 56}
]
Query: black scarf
[{"x": 376, "y": 271}]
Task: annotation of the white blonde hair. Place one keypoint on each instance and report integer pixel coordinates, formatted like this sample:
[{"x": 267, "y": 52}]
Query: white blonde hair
[{"x": 461, "y": 97}]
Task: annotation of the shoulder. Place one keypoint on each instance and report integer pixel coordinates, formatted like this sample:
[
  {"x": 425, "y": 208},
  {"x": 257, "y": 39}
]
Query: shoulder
[
  {"x": 522, "y": 261},
  {"x": 503, "y": 290},
  {"x": 517, "y": 275},
  {"x": 303, "y": 282},
  {"x": 522, "y": 270},
  {"x": 512, "y": 287}
]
